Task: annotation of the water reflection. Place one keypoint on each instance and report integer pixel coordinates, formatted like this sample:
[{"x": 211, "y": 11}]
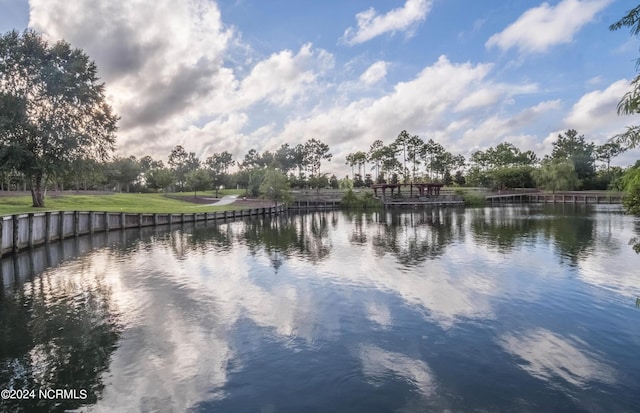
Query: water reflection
[
  {"x": 58, "y": 331},
  {"x": 403, "y": 305},
  {"x": 550, "y": 357},
  {"x": 379, "y": 366}
]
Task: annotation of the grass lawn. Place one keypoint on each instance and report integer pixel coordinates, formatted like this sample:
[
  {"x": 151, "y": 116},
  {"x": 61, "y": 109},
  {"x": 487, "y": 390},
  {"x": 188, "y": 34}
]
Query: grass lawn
[
  {"x": 210, "y": 193},
  {"x": 136, "y": 203}
]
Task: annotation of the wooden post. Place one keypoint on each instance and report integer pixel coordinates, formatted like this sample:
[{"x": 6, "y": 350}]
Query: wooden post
[
  {"x": 91, "y": 223},
  {"x": 182, "y": 218},
  {"x": 76, "y": 223},
  {"x": 30, "y": 235},
  {"x": 123, "y": 220},
  {"x": 15, "y": 232},
  {"x": 215, "y": 216},
  {"x": 155, "y": 220},
  {"x": 61, "y": 217},
  {"x": 139, "y": 220},
  {"x": 106, "y": 221}
]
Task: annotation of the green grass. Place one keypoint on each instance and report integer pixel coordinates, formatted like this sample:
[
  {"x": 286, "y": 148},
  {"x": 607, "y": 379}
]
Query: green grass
[
  {"x": 210, "y": 193},
  {"x": 136, "y": 203},
  {"x": 471, "y": 198}
]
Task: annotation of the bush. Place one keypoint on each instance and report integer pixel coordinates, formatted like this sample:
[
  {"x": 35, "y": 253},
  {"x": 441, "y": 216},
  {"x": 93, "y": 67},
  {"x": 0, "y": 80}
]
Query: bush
[
  {"x": 471, "y": 198},
  {"x": 365, "y": 201}
]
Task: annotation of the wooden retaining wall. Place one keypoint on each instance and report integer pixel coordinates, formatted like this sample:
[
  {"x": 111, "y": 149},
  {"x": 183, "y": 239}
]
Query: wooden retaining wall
[
  {"x": 22, "y": 231},
  {"x": 559, "y": 198}
]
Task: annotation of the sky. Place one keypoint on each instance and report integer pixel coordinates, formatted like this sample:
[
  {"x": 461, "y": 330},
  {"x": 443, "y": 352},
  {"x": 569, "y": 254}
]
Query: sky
[{"x": 232, "y": 75}]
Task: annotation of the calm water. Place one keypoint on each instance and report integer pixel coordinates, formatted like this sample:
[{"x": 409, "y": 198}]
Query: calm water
[{"x": 509, "y": 309}]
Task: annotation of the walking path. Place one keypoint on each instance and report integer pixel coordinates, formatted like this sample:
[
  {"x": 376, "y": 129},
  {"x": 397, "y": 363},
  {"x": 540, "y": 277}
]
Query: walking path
[{"x": 226, "y": 200}]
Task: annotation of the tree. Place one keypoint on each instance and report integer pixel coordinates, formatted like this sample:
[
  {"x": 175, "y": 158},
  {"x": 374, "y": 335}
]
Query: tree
[
  {"x": 361, "y": 160},
  {"x": 182, "y": 163},
  {"x": 608, "y": 151},
  {"x": 198, "y": 180},
  {"x": 400, "y": 144},
  {"x": 285, "y": 158},
  {"x": 275, "y": 186},
  {"x": 630, "y": 102},
  {"x": 161, "y": 178},
  {"x": 571, "y": 146},
  {"x": 556, "y": 175},
  {"x": 351, "y": 161},
  {"x": 53, "y": 109},
  {"x": 123, "y": 172},
  {"x": 414, "y": 143},
  {"x": 316, "y": 152},
  {"x": 376, "y": 154}
]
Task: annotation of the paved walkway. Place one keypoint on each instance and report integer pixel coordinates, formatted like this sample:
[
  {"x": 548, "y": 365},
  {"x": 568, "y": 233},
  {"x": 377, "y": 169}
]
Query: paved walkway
[{"x": 226, "y": 200}]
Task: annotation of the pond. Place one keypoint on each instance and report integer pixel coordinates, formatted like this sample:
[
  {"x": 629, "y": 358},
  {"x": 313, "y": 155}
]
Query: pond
[{"x": 527, "y": 308}]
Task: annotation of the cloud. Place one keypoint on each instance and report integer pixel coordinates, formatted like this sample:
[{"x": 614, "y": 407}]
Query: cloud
[
  {"x": 284, "y": 76},
  {"x": 377, "y": 364},
  {"x": 371, "y": 24},
  {"x": 425, "y": 105},
  {"x": 160, "y": 59},
  {"x": 545, "y": 26},
  {"x": 550, "y": 357},
  {"x": 496, "y": 129},
  {"x": 374, "y": 73},
  {"x": 597, "y": 109},
  {"x": 164, "y": 65}
]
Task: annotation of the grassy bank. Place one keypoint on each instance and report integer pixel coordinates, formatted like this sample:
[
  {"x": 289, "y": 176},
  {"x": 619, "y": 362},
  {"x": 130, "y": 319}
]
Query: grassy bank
[
  {"x": 135, "y": 203},
  {"x": 472, "y": 198},
  {"x": 365, "y": 200}
]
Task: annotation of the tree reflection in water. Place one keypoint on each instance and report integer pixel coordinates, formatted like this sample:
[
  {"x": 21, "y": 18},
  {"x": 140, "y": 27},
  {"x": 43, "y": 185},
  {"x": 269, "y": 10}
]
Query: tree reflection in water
[{"x": 58, "y": 332}]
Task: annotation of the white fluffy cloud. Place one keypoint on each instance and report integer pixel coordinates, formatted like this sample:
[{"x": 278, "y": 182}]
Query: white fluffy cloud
[
  {"x": 424, "y": 105},
  {"x": 597, "y": 109},
  {"x": 374, "y": 73},
  {"x": 545, "y": 26},
  {"x": 164, "y": 65},
  {"x": 371, "y": 24}
]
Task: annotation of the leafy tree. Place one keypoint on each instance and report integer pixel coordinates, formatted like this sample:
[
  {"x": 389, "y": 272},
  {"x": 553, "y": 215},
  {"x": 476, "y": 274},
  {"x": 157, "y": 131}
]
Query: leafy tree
[
  {"x": 198, "y": 180},
  {"x": 630, "y": 182},
  {"x": 513, "y": 177},
  {"x": 266, "y": 159},
  {"x": 376, "y": 155},
  {"x": 400, "y": 144},
  {"x": 361, "y": 160},
  {"x": 251, "y": 159},
  {"x": 160, "y": 178},
  {"x": 123, "y": 172},
  {"x": 147, "y": 163},
  {"x": 300, "y": 158},
  {"x": 351, "y": 161},
  {"x": 556, "y": 175},
  {"x": 431, "y": 153},
  {"x": 284, "y": 158},
  {"x": 52, "y": 109},
  {"x": 84, "y": 173},
  {"x": 315, "y": 153},
  {"x": 608, "y": 151},
  {"x": 630, "y": 102},
  {"x": 414, "y": 143},
  {"x": 572, "y": 147},
  {"x": 389, "y": 161},
  {"x": 182, "y": 163},
  {"x": 275, "y": 186},
  {"x": 333, "y": 182}
]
